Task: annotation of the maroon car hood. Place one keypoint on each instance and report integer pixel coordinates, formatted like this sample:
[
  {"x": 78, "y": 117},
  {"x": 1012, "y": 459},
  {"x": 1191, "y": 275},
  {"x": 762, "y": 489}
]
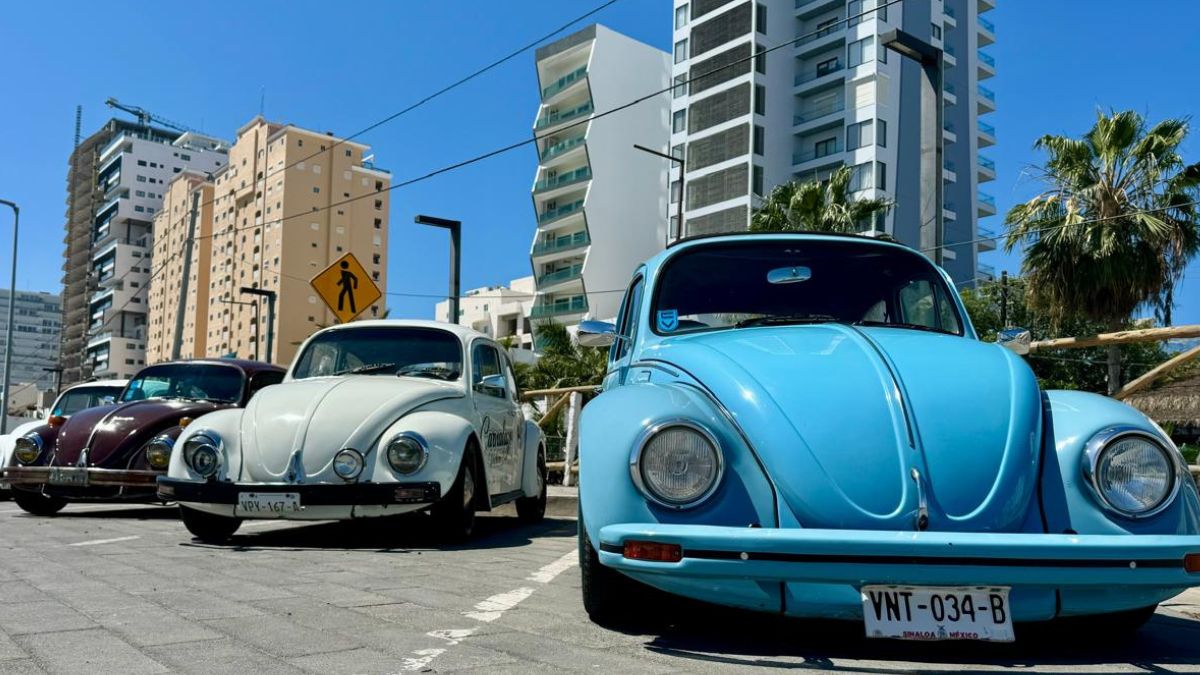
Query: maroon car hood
[{"x": 114, "y": 432}]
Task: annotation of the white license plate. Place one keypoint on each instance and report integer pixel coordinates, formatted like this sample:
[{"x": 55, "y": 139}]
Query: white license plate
[
  {"x": 68, "y": 476},
  {"x": 268, "y": 504},
  {"x": 937, "y": 613}
]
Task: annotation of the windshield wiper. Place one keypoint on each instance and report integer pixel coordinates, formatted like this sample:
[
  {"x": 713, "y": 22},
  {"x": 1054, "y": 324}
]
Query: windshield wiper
[
  {"x": 902, "y": 324},
  {"x": 786, "y": 320},
  {"x": 436, "y": 372},
  {"x": 366, "y": 368}
]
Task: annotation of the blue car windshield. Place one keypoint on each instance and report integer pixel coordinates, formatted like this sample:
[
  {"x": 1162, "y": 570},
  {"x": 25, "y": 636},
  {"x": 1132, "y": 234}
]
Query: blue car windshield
[
  {"x": 382, "y": 350},
  {"x": 197, "y": 381},
  {"x": 777, "y": 281}
]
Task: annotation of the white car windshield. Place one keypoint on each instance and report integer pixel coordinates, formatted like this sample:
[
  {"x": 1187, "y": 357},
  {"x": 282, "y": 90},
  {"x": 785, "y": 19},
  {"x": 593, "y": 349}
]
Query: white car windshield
[
  {"x": 82, "y": 398},
  {"x": 382, "y": 350},
  {"x": 796, "y": 281},
  {"x": 186, "y": 380}
]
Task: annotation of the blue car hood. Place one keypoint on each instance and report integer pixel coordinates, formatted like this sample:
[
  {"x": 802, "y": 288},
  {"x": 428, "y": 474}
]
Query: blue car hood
[{"x": 848, "y": 421}]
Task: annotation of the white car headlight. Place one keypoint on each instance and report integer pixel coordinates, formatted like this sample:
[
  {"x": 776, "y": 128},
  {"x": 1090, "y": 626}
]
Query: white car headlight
[
  {"x": 202, "y": 453},
  {"x": 407, "y": 452},
  {"x": 348, "y": 463},
  {"x": 677, "y": 464},
  {"x": 28, "y": 448},
  {"x": 1131, "y": 471}
]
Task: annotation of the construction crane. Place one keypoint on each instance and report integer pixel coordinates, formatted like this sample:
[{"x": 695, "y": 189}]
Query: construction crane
[{"x": 145, "y": 117}]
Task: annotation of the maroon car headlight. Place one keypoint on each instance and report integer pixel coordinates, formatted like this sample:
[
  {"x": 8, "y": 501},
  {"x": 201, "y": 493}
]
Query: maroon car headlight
[
  {"x": 202, "y": 454},
  {"x": 158, "y": 452},
  {"x": 28, "y": 448}
]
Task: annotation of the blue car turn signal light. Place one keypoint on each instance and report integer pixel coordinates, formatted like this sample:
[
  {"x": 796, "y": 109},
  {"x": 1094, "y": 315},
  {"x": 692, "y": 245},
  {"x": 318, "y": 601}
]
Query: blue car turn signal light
[{"x": 652, "y": 551}]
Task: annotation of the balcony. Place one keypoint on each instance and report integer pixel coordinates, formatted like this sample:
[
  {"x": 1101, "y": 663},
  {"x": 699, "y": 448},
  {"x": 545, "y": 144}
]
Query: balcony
[
  {"x": 564, "y": 82},
  {"x": 816, "y": 153},
  {"x": 574, "y": 305},
  {"x": 986, "y": 238},
  {"x": 560, "y": 276},
  {"x": 949, "y": 173},
  {"x": 987, "y": 135},
  {"x": 949, "y": 133},
  {"x": 950, "y": 95},
  {"x": 562, "y": 147},
  {"x": 809, "y": 36},
  {"x": 805, "y": 78},
  {"x": 817, "y": 113},
  {"x": 987, "y": 32},
  {"x": 551, "y": 215},
  {"x": 987, "y": 204},
  {"x": 561, "y": 244},
  {"x": 568, "y": 178},
  {"x": 987, "y": 272},
  {"x": 554, "y": 119},
  {"x": 987, "y": 99},
  {"x": 985, "y": 6},
  {"x": 987, "y": 169},
  {"x": 986, "y": 65}
]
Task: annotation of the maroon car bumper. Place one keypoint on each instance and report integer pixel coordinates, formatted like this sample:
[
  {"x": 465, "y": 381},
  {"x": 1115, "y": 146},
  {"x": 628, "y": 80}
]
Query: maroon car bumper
[{"x": 70, "y": 477}]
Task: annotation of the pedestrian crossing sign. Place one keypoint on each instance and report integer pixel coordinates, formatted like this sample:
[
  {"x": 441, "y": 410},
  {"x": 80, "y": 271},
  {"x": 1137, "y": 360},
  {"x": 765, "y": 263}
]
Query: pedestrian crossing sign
[{"x": 346, "y": 288}]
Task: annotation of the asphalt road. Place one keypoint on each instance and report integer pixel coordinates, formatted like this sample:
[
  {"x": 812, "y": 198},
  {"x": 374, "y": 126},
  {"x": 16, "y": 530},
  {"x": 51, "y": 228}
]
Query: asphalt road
[{"x": 124, "y": 590}]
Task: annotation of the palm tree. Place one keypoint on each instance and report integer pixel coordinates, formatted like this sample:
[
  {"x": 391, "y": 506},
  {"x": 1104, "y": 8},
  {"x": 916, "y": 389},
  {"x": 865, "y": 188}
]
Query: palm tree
[
  {"x": 816, "y": 206},
  {"x": 1114, "y": 227}
]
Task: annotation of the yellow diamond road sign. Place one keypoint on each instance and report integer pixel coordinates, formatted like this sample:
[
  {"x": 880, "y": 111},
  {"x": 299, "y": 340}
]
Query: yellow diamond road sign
[{"x": 346, "y": 287}]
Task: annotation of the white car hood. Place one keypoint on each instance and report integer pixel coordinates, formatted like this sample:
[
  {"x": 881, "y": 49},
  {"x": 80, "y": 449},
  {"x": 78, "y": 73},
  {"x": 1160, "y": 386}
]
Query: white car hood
[{"x": 313, "y": 419}]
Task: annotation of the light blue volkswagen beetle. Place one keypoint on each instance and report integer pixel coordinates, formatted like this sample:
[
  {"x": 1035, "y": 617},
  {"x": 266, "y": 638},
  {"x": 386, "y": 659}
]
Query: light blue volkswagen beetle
[{"x": 809, "y": 425}]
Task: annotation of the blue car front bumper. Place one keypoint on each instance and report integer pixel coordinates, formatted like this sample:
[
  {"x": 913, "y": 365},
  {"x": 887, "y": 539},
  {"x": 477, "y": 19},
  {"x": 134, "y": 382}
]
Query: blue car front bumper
[{"x": 1080, "y": 574}]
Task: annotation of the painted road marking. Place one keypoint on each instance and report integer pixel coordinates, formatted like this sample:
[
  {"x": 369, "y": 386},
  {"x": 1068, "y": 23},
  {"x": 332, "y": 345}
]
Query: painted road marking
[
  {"x": 97, "y": 542},
  {"x": 494, "y": 607},
  {"x": 547, "y": 573}
]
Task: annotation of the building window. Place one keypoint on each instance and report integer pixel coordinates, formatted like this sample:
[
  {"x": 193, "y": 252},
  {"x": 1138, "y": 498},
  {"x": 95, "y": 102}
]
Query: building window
[
  {"x": 860, "y": 135},
  {"x": 857, "y": 7},
  {"x": 141, "y": 179},
  {"x": 681, "y": 16},
  {"x": 680, "y": 86},
  {"x": 141, "y": 162},
  {"x": 347, "y": 153},
  {"x": 827, "y": 66},
  {"x": 760, "y": 100},
  {"x": 759, "y": 142},
  {"x": 675, "y": 191},
  {"x": 862, "y": 176},
  {"x": 677, "y": 151},
  {"x": 760, "y": 19},
  {"x": 378, "y": 223},
  {"x": 881, "y": 133},
  {"x": 756, "y": 181},
  {"x": 881, "y": 175},
  {"x": 760, "y": 60},
  {"x": 860, "y": 52},
  {"x": 936, "y": 31},
  {"x": 825, "y": 147},
  {"x": 681, "y": 51},
  {"x": 316, "y": 190},
  {"x": 679, "y": 121},
  {"x": 299, "y": 142}
]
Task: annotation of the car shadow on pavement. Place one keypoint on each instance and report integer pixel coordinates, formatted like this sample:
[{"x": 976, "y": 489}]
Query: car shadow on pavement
[
  {"x": 94, "y": 511},
  {"x": 719, "y": 636},
  {"x": 394, "y": 534}
]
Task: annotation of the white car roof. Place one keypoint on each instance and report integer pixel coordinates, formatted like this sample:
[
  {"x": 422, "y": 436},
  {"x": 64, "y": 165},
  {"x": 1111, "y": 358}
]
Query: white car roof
[
  {"x": 99, "y": 383},
  {"x": 465, "y": 334}
]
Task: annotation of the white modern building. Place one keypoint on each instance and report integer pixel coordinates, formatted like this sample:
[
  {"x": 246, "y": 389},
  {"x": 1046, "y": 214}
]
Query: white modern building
[
  {"x": 37, "y": 321},
  {"x": 601, "y": 205},
  {"x": 835, "y": 98},
  {"x": 501, "y": 312},
  {"x": 132, "y": 173}
]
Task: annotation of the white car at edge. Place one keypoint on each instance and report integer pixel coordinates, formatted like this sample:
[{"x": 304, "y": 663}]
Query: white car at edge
[
  {"x": 374, "y": 418},
  {"x": 72, "y": 399}
]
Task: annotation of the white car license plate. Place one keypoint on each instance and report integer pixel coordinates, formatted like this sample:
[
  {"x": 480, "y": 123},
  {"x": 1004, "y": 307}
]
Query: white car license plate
[
  {"x": 937, "y": 613},
  {"x": 68, "y": 476},
  {"x": 268, "y": 504}
]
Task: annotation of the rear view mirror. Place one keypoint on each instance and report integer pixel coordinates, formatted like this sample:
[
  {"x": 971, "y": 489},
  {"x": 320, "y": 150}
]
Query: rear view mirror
[
  {"x": 1017, "y": 340},
  {"x": 596, "y": 334}
]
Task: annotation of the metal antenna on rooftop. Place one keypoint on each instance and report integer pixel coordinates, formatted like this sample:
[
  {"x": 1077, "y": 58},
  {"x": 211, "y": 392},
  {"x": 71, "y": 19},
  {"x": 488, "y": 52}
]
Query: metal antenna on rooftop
[
  {"x": 78, "y": 123},
  {"x": 262, "y": 100}
]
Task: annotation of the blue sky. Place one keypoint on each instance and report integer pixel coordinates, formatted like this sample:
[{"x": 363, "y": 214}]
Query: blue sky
[{"x": 340, "y": 67}]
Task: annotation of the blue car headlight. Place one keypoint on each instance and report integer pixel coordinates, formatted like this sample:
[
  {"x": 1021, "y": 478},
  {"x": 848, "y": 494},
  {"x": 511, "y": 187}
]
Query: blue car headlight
[
  {"x": 677, "y": 464},
  {"x": 1131, "y": 471}
]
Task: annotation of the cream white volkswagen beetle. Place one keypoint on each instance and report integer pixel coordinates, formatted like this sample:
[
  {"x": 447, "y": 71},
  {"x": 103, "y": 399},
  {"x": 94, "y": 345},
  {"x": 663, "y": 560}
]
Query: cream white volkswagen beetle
[{"x": 374, "y": 418}]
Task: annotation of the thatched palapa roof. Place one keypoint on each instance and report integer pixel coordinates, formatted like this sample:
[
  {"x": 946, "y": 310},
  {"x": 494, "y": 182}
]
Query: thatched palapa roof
[{"x": 1177, "y": 401}]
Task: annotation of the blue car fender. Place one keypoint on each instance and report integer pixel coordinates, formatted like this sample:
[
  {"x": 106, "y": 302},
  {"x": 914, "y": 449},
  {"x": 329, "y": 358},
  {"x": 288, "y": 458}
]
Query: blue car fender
[{"x": 611, "y": 427}]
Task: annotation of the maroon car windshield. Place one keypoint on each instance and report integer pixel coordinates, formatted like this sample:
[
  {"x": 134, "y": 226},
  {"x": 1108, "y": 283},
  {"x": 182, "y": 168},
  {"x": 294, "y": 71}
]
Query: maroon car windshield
[{"x": 195, "y": 381}]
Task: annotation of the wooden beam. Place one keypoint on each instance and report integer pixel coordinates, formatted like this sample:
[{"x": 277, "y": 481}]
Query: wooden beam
[
  {"x": 1156, "y": 372},
  {"x": 1119, "y": 338},
  {"x": 549, "y": 414}
]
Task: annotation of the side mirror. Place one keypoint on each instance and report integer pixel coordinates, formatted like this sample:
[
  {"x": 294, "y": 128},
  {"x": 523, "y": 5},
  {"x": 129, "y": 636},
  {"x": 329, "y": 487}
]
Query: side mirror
[
  {"x": 1015, "y": 339},
  {"x": 492, "y": 385},
  {"x": 597, "y": 334}
]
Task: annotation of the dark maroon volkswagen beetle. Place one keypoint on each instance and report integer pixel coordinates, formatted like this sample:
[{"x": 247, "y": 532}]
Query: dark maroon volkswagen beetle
[{"x": 115, "y": 452}]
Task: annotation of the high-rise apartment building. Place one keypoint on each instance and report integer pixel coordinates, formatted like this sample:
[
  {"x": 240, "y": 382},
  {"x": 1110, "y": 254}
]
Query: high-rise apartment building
[
  {"x": 172, "y": 224},
  {"x": 37, "y": 318},
  {"x": 501, "y": 312},
  {"x": 600, "y": 204},
  {"x": 289, "y": 203},
  {"x": 837, "y": 97},
  {"x": 115, "y": 187}
]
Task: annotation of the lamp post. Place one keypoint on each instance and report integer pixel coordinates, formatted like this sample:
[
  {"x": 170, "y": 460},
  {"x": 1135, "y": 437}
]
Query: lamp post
[
  {"x": 682, "y": 167},
  {"x": 930, "y": 59},
  {"x": 455, "y": 227},
  {"x": 12, "y": 301},
  {"x": 270, "y": 296}
]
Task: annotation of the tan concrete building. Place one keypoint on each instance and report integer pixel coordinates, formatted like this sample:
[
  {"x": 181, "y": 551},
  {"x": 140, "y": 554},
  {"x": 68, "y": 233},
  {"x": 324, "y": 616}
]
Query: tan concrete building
[
  {"x": 170, "y": 237},
  {"x": 289, "y": 203}
]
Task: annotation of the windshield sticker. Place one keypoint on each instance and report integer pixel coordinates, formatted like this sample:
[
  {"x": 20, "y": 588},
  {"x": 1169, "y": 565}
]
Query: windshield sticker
[{"x": 668, "y": 320}]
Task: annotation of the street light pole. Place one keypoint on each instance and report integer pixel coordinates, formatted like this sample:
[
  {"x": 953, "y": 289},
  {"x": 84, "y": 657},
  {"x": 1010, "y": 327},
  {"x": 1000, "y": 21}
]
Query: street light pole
[
  {"x": 930, "y": 59},
  {"x": 455, "y": 227},
  {"x": 682, "y": 168},
  {"x": 12, "y": 302},
  {"x": 270, "y": 296}
]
